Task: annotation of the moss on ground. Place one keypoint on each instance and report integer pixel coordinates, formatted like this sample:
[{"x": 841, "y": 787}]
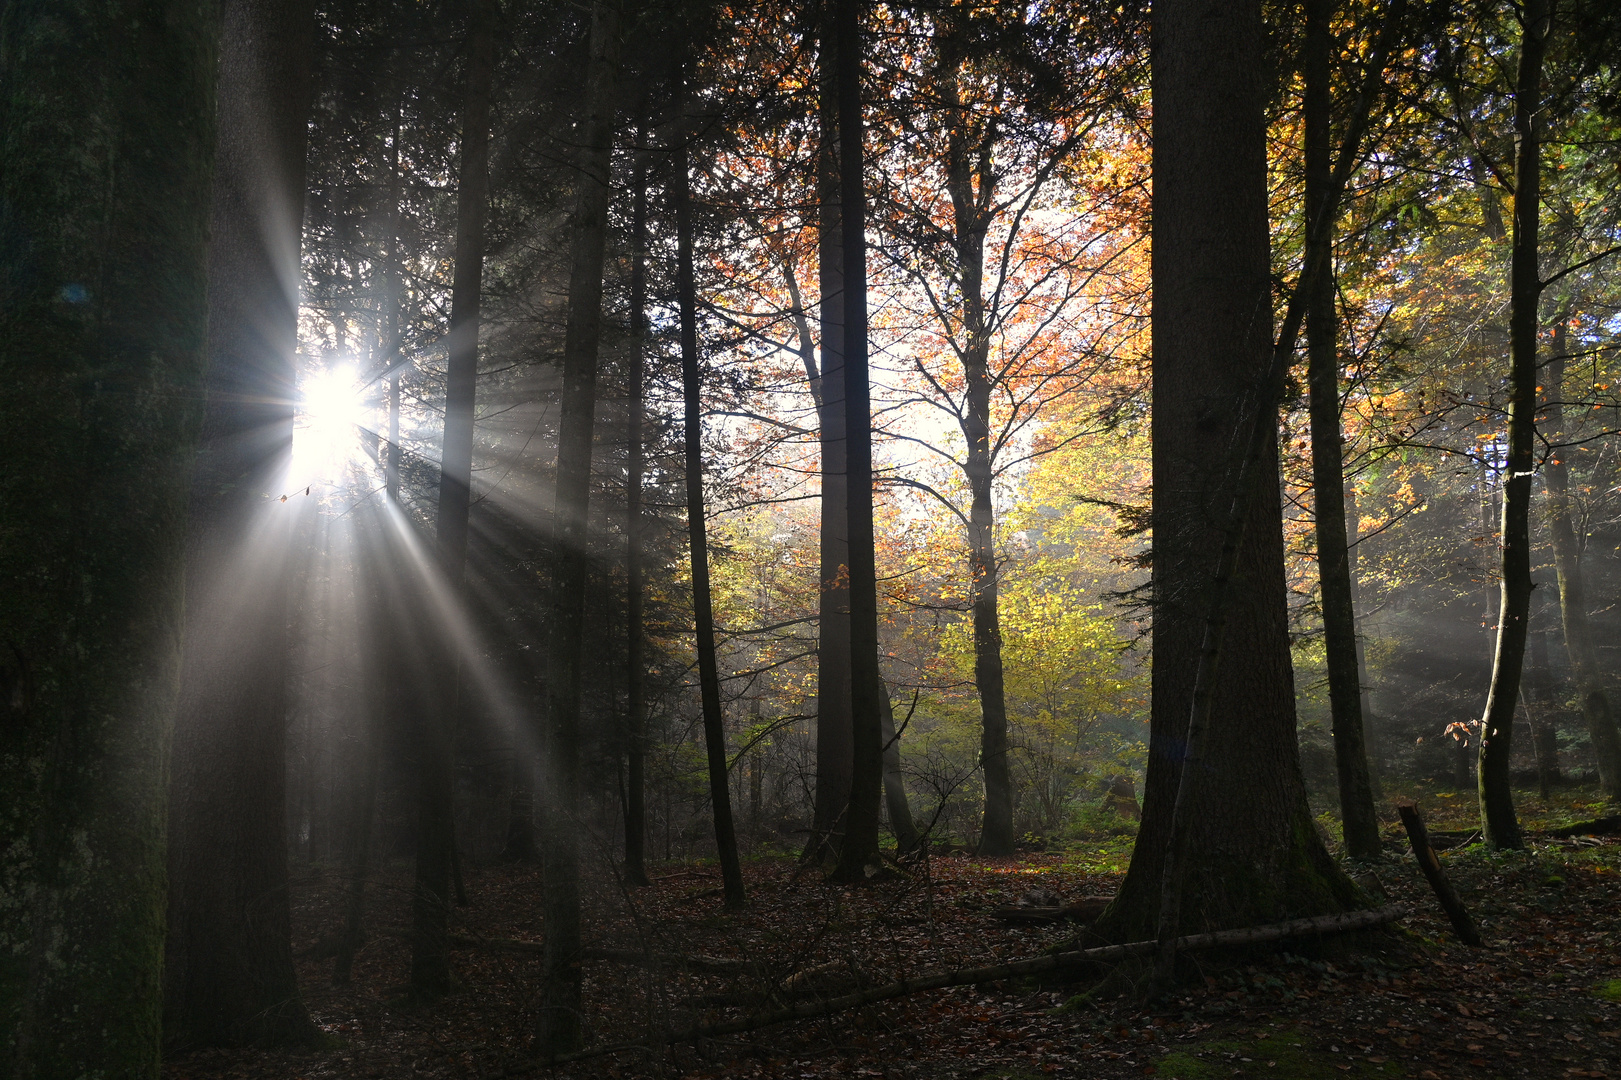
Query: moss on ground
[{"x": 1283, "y": 1055}]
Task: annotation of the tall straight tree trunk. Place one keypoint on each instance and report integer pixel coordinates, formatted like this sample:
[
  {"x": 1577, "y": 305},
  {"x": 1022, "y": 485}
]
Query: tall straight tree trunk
[
  {"x": 860, "y": 846},
  {"x": 436, "y": 741},
  {"x": 635, "y": 629},
  {"x": 972, "y": 184},
  {"x": 1250, "y": 852},
  {"x": 107, "y": 126},
  {"x": 1357, "y": 818},
  {"x": 1497, "y": 820},
  {"x": 558, "y": 1026},
  {"x": 229, "y": 976},
  {"x": 834, "y": 758},
  {"x": 1567, "y": 561},
  {"x": 1540, "y": 709},
  {"x": 703, "y": 612}
]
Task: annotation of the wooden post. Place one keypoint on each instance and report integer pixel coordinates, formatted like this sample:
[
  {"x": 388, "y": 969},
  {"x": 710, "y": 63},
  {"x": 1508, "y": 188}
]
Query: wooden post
[{"x": 1419, "y": 837}]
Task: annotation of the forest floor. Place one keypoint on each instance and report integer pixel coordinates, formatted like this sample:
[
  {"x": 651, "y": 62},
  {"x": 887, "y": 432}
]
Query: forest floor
[{"x": 1542, "y": 999}]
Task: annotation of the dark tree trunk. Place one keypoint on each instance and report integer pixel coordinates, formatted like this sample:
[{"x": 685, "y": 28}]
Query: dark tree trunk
[
  {"x": 901, "y": 824},
  {"x": 703, "y": 613},
  {"x": 558, "y": 1026},
  {"x": 635, "y": 630},
  {"x": 107, "y": 126},
  {"x": 1358, "y": 821},
  {"x": 1567, "y": 561},
  {"x": 860, "y": 846},
  {"x": 971, "y": 180},
  {"x": 1252, "y": 853},
  {"x": 1541, "y": 708},
  {"x": 229, "y": 967},
  {"x": 1498, "y": 822},
  {"x": 436, "y": 741},
  {"x": 833, "y": 731}
]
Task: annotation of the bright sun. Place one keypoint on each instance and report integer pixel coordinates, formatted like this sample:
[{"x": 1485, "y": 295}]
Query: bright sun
[{"x": 329, "y": 415}]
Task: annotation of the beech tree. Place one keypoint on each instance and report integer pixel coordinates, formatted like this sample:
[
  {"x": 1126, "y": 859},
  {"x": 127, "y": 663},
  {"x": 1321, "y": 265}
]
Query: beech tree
[{"x": 107, "y": 120}]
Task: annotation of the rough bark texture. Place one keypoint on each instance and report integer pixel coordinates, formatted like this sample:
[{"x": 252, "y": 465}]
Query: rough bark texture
[
  {"x": 703, "y": 611},
  {"x": 1567, "y": 561},
  {"x": 558, "y": 1025},
  {"x": 1497, "y": 820},
  {"x": 860, "y": 846},
  {"x": 1254, "y": 853},
  {"x": 436, "y": 739},
  {"x": 1358, "y": 821},
  {"x": 106, "y": 149},
  {"x": 833, "y": 732}
]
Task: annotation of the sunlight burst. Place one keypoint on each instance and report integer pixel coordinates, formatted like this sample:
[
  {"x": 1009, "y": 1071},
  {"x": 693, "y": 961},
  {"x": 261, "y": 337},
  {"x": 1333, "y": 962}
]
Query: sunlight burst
[{"x": 330, "y": 416}]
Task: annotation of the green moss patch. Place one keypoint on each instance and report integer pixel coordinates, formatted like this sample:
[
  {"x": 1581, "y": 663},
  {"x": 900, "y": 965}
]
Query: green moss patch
[{"x": 1608, "y": 991}]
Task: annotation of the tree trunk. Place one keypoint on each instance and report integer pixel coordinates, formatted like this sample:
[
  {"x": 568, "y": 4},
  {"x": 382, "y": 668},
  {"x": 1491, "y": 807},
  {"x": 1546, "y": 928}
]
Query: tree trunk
[
  {"x": 1359, "y": 823},
  {"x": 900, "y": 813},
  {"x": 972, "y": 208},
  {"x": 1541, "y": 709},
  {"x": 1567, "y": 561},
  {"x": 229, "y": 966},
  {"x": 1370, "y": 729},
  {"x": 860, "y": 846},
  {"x": 1252, "y": 853},
  {"x": 720, "y": 795},
  {"x": 635, "y": 630},
  {"x": 558, "y": 1026},
  {"x": 1498, "y": 822},
  {"x": 436, "y": 747},
  {"x": 106, "y": 152},
  {"x": 834, "y": 753}
]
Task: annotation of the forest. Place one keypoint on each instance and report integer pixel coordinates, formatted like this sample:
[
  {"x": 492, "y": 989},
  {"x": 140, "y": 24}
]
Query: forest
[{"x": 810, "y": 538}]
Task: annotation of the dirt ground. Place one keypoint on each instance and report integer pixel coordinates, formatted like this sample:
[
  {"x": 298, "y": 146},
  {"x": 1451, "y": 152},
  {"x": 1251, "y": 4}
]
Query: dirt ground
[{"x": 1542, "y": 999}]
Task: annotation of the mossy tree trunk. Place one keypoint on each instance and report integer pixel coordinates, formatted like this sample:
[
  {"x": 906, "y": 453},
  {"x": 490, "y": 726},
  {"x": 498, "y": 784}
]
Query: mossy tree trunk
[
  {"x": 106, "y": 155},
  {"x": 1253, "y": 852},
  {"x": 229, "y": 976}
]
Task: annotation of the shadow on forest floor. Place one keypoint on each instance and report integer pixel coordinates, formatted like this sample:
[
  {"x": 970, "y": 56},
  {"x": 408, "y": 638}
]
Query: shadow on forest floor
[{"x": 1543, "y": 999}]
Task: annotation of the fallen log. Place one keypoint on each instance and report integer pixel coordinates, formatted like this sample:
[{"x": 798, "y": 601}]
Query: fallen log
[
  {"x": 716, "y": 965},
  {"x": 1086, "y": 910},
  {"x": 1462, "y": 924},
  {"x": 1256, "y": 935},
  {"x": 1604, "y": 826}
]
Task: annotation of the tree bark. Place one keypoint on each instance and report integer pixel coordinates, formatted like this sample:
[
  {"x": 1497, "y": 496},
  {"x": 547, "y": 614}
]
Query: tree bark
[
  {"x": 1567, "y": 561},
  {"x": 1358, "y": 821},
  {"x": 558, "y": 1026},
  {"x": 1498, "y": 822},
  {"x": 635, "y": 630},
  {"x": 229, "y": 976},
  {"x": 436, "y": 743},
  {"x": 703, "y": 613},
  {"x": 1250, "y": 851},
  {"x": 107, "y": 120},
  {"x": 860, "y": 846},
  {"x": 834, "y": 734}
]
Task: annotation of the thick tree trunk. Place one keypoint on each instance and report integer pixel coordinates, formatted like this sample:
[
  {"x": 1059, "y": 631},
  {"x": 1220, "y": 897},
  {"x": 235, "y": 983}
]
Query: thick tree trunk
[
  {"x": 1498, "y": 822},
  {"x": 1358, "y": 821},
  {"x": 635, "y": 630},
  {"x": 229, "y": 967},
  {"x": 900, "y": 812},
  {"x": 860, "y": 846},
  {"x": 1567, "y": 561},
  {"x": 1252, "y": 853},
  {"x": 436, "y": 745},
  {"x": 834, "y": 753},
  {"x": 703, "y": 613},
  {"x": 558, "y": 1026},
  {"x": 106, "y": 151}
]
